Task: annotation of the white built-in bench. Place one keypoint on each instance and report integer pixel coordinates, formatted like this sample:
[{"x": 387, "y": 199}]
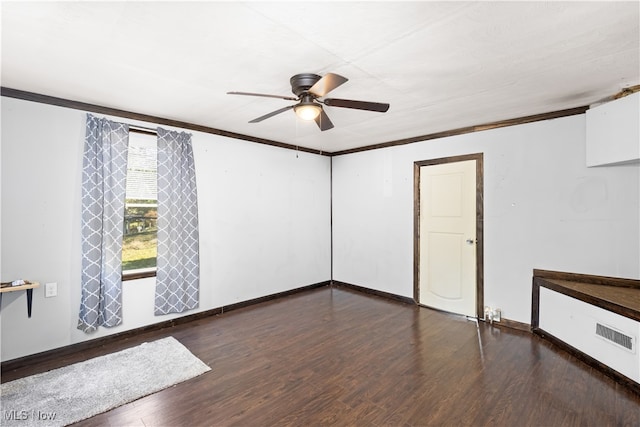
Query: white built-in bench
[{"x": 595, "y": 318}]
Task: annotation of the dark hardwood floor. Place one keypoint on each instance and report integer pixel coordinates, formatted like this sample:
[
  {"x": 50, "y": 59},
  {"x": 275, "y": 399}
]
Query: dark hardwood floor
[{"x": 333, "y": 356}]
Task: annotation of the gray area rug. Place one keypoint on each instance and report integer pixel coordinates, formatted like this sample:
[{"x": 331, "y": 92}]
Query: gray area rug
[{"x": 76, "y": 392}]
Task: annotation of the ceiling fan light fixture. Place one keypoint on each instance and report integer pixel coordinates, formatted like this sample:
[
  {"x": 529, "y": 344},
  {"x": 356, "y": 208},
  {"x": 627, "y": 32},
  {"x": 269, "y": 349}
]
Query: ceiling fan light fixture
[{"x": 307, "y": 111}]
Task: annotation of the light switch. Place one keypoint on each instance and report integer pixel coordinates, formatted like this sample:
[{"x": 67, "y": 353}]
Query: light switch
[{"x": 50, "y": 290}]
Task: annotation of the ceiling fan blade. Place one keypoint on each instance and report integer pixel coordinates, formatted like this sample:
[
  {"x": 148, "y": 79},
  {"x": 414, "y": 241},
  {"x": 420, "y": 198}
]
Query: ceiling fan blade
[
  {"x": 358, "y": 105},
  {"x": 323, "y": 121},
  {"x": 271, "y": 114},
  {"x": 288, "y": 98},
  {"x": 327, "y": 83}
]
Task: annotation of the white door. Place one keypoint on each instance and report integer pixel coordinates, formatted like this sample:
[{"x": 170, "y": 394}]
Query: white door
[{"x": 447, "y": 265}]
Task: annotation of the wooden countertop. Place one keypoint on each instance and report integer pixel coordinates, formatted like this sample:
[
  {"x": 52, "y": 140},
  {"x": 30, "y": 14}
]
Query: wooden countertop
[{"x": 621, "y": 296}]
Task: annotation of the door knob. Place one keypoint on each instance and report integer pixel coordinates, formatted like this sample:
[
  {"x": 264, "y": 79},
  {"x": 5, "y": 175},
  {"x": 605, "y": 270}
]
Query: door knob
[{"x": 470, "y": 241}]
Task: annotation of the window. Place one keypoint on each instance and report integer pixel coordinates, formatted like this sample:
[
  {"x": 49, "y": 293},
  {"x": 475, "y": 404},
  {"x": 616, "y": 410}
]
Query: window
[{"x": 140, "y": 237}]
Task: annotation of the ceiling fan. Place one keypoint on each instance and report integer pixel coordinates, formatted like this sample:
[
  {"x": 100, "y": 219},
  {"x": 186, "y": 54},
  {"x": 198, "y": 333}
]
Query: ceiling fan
[{"x": 309, "y": 88}]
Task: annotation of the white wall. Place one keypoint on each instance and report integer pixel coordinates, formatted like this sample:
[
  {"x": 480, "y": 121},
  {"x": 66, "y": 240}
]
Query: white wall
[
  {"x": 543, "y": 209},
  {"x": 265, "y": 220},
  {"x": 264, "y": 225}
]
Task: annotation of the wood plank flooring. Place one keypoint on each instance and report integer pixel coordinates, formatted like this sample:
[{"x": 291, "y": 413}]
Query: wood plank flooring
[{"x": 332, "y": 356}]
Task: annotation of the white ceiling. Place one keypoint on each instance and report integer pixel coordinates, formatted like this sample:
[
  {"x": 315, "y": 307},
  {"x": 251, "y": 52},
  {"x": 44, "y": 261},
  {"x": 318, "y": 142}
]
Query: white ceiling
[{"x": 441, "y": 65}]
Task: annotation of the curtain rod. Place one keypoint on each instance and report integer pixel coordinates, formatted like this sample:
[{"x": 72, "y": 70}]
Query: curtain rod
[{"x": 142, "y": 129}]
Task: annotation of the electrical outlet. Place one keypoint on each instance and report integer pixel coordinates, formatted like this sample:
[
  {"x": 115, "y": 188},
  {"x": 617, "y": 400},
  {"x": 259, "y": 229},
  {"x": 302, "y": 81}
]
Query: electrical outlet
[
  {"x": 492, "y": 314},
  {"x": 50, "y": 290}
]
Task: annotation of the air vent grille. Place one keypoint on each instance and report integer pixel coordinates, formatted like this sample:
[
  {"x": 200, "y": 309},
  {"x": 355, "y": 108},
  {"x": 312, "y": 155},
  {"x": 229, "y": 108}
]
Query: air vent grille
[{"x": 614, "y": 336}]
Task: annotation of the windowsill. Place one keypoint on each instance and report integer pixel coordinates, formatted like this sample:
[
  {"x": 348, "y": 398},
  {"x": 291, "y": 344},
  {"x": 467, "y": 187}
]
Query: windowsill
[{"x": 140, "y": 273}]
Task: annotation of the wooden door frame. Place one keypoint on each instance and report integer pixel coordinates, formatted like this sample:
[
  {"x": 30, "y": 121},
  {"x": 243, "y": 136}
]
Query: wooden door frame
[{"x": 478, "y": 157}]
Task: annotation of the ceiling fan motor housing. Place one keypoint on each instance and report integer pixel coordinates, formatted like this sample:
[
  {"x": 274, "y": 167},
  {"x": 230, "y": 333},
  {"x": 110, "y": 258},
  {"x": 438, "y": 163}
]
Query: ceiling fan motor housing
[{"x": 301, "y": 83}]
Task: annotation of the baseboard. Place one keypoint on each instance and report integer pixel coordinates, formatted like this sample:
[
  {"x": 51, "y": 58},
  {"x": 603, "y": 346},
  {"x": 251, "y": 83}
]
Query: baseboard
[
  {"x": 60, "y": 352},
  {"x": 362, "y": 289},
  {"x": 266, "y": 298},
  {"x": 511, "y": 324},
  {"x": 505, "y": 323}
]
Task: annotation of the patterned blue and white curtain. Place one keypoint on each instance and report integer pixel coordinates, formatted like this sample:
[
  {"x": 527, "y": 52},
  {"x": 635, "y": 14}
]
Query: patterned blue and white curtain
[
  {"x": 104, "y": 173},
  {"x": 178, "y": 266}
]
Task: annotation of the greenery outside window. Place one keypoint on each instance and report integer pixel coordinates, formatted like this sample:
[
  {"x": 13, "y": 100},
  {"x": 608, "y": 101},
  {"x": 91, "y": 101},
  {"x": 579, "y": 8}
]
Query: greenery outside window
[{"x": 140, "y": 234}]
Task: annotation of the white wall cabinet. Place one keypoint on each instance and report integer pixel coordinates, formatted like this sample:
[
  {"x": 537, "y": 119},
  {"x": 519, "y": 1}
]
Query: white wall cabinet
[{"x": 613, "y": 132}]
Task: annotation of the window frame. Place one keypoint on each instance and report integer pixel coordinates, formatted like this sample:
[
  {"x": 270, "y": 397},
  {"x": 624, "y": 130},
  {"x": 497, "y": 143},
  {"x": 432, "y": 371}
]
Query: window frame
[
  {"x": 133, "y": 275},
  {"x": 140, "y": 273}
]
